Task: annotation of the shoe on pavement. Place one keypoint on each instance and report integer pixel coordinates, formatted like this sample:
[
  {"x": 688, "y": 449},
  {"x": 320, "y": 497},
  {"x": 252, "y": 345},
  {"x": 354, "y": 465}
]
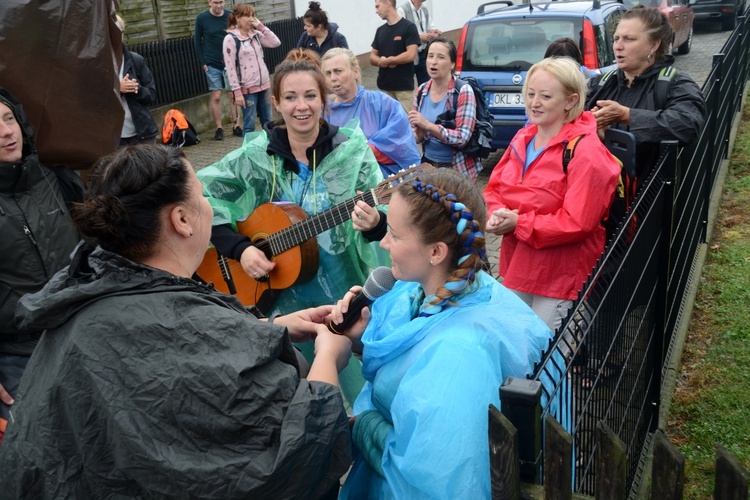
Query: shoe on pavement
[
  {"x": 219, "y": 135},
  {"x": 237, "y": 131}
]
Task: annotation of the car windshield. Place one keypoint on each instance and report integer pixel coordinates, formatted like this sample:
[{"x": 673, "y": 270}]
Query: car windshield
[{"x": 515, "y": 44}]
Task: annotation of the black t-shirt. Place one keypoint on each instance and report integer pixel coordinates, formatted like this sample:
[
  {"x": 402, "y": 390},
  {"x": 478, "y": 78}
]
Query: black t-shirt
[{"x": 392, "y": 40}]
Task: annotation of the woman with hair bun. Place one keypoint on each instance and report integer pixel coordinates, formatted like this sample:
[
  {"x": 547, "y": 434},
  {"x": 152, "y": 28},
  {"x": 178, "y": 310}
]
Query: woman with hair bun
[
  {"x": 435, "y": 350},
  {"x": 150, "y": 384},
  {"x": 320, "y": 35},
  {"x": 628, "y": 98}
]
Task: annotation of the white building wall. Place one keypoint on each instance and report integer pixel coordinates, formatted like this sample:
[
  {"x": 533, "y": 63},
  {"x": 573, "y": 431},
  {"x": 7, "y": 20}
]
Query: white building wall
[{"x": 357, "y": 19}]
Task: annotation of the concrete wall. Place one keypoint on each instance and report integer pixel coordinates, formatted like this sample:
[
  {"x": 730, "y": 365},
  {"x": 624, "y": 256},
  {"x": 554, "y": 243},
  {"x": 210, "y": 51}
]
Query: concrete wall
[{"x": 357, "y": 19}]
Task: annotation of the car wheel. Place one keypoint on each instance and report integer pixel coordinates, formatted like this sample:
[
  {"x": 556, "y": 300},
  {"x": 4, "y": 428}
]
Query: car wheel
[
  {"x": 729, "y": 22},
  {"x": 685, "y": 47}
]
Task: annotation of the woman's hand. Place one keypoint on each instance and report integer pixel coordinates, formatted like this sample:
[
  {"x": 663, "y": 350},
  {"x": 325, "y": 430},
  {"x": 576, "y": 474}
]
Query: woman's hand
[
  {"x": 302, "y": 325},
  {"x": 239, "y": 99},
  {"x": 609, "y": 112},
  {"x": 357, "y": 329},
  {"x": 502, "y": 221},
  {"x": 254, "y": 22},
  {"x": 416, "y": 119},
  {"x": 5, "y": 397},
  {"x": 255, "y": 264},
  {"x": 364, "y": 217}
]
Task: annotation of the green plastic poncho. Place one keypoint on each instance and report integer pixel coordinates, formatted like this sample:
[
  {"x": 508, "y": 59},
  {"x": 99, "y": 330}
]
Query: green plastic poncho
[{"x": 249, "y": 177}]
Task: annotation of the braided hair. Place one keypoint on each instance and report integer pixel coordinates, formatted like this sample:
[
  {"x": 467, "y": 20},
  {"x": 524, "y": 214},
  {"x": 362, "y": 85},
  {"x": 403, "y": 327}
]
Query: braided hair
[{"x": 447, "y": 207}]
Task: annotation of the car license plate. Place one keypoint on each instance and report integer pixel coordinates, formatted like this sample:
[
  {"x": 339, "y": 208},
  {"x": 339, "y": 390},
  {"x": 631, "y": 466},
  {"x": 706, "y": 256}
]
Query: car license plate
[{"x": 507, "y": 100}]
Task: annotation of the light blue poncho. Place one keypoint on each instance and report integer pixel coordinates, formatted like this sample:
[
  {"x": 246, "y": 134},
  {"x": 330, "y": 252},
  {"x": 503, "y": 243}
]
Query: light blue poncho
[{"x": 430, "y": 381}]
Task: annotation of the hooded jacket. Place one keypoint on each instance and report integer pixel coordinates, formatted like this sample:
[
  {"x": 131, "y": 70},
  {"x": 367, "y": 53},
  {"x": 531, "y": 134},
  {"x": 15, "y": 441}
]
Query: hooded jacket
[
  {"x": 247, "y": 71},
  {"x": 559, "y": 235},
  {"x": 334, "y": 39},
  {"x": 421, "y": 430},
  {"x": 36, "y": 235},
  {"x": 135, "y": 65},
  {"x": 149, "y": 385},
  {"x": 682, "y": 118}
]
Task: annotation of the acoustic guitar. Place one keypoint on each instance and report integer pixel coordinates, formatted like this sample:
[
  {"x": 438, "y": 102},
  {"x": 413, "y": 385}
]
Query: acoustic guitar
[{"x": 285, "y": 233}]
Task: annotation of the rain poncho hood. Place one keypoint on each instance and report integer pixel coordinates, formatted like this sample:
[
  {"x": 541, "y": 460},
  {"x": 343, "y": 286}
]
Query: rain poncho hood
[
  {"x": 430, "y": 381},
  {"x": 384, "y": 123},
  {"x": 256, "y": 174},
  {"x": 149, "y": 385}
]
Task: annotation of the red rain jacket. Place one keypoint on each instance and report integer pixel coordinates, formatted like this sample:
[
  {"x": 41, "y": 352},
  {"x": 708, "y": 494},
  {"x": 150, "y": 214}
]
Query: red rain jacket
[{"x": 559, "y": 236}]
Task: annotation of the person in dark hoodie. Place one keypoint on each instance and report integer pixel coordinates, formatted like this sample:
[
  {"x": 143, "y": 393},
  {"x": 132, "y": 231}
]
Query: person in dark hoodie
[
  {"x": 36, "y": 236},
  {"x": 304, "y": 160},
  {"x": 320, "y": 35},
  {"x": 137, "y": 92},
  {"x": 150, "y": 384}
]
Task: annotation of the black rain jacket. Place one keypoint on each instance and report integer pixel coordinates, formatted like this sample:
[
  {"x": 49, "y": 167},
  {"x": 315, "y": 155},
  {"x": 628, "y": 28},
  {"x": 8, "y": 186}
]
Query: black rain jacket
[{"x": 149, "y": 385}]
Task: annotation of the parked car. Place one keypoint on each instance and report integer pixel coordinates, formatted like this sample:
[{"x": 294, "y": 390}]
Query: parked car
[
  {"x": 499, "y": 45},
  {"x": 681, "y": 18},
  {"x": 724, "y": 11}
]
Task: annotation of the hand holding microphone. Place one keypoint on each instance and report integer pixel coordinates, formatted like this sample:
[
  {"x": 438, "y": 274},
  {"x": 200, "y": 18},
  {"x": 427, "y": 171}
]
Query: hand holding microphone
[{"x": 378, "y": 283}]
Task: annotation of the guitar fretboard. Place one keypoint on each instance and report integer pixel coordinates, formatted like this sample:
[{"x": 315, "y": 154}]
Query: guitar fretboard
[{"x": 304, "y": 230}]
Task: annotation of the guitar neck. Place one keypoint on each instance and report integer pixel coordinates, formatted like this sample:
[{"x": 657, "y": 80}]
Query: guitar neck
[{"x": 304, "y": 230}]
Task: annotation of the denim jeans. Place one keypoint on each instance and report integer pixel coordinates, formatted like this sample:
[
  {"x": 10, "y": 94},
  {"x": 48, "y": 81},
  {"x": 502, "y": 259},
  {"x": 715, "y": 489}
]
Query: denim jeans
[{"x": 256, "y": 104}]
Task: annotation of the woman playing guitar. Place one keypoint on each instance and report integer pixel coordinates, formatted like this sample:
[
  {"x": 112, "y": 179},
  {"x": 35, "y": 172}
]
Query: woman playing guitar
[{"x": 304, "y": 160}]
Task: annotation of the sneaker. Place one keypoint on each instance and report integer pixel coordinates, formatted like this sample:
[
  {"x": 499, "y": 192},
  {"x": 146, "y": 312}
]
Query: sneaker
[
  {"x": 237, "y": 131},
  {"x": 219, "y": 135}
]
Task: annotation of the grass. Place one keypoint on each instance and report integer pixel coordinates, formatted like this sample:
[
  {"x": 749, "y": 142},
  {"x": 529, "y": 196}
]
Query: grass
[{"x": 711, "y": 403}]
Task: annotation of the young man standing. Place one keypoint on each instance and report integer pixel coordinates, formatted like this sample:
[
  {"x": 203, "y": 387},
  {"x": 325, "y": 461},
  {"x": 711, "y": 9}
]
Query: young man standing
[
  {"x": 210, "y": 30},
  {"x": 393, "y": 51},
  {"x": 416, "y": 12}
]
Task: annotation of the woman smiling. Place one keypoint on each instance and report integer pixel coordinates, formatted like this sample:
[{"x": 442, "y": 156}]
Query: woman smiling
[{"x": 551, "y": 217}]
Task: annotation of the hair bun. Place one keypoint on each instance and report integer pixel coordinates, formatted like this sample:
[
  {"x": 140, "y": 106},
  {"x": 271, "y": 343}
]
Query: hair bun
[{"x": 314, "y": 5}]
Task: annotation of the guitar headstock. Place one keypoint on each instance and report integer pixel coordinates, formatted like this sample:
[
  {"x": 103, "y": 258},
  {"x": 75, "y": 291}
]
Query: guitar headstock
[{"x": 385, "y": 189}]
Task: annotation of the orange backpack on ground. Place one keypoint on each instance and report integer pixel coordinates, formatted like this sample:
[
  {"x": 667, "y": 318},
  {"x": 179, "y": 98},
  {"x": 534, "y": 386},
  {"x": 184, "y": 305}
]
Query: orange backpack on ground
[{"x": 177, "y": 130}]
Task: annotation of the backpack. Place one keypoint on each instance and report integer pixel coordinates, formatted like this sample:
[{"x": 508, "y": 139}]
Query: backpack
[
  {"x": 177, "y": 130},
  {"x": 663, "y": 82},
  {"x": 627, "y": 188},
  {"x": 479, "y": 144}
]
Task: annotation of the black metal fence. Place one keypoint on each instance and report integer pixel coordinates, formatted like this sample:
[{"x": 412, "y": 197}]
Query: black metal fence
[
  {"x": 176, "y": 69},
  {"x": 620, "y": 331}
]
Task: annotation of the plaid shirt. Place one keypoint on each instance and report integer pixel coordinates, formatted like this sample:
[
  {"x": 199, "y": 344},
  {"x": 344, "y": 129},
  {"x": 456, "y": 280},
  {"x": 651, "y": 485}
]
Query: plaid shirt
[{"x": 465, "y": 122}]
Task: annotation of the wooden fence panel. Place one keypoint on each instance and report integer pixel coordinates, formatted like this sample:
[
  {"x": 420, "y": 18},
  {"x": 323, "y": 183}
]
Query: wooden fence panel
[
  {"x": 558, "y": 461},
  {"x": 505, "y": 472},
  {"x": 611, "y": 464},
  {"x": 731, "y": 481},
  {"x": 667, "y": 471}
]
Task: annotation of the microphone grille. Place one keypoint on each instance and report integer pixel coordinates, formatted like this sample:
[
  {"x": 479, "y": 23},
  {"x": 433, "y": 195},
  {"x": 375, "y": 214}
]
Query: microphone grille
[{"x": 379, "y": 282}]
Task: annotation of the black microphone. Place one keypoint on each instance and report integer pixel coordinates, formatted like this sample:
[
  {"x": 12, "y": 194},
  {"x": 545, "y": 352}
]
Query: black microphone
[{"x": 378, "y": 283}]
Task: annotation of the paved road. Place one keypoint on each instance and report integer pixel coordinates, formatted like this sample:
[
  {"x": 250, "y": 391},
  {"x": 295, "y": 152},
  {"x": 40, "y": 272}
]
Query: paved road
[{"x": 707, "y": 41}]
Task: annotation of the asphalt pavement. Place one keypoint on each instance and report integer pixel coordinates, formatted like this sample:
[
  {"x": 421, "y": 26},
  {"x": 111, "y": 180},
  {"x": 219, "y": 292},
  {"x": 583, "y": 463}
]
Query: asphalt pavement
[{"x": 708, "y": 40}]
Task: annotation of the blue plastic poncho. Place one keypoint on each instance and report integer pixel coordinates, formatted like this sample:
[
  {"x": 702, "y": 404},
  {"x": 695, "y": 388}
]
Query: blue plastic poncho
[
  {"x": 385, "y": 124},
  {"x": 424, "y": 427}
]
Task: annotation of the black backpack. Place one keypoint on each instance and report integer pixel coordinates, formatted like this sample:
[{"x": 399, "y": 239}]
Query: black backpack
[{"x": 480, "y": 142}]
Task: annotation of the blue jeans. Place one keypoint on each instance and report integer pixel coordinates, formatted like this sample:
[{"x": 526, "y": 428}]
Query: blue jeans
[{"x": 256, "y": 104}]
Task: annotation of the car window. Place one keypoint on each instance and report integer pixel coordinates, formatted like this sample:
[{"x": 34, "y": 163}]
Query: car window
[
  {"x": 515, "y": 44},
  {"x": 606, "y": 56}
]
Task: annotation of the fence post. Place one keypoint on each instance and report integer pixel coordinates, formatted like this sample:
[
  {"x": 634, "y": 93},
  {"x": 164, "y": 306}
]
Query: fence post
[
  {"x": 558, "y": 461},
  {"x": 610, "y": 464},
  {"x": 662, "y": 302},
  {"x": 667, "y": 469},
  {"x": 505, "y": 478},
  {"x": 731, "y": 482},
  {"x": 520, "y": 400}
]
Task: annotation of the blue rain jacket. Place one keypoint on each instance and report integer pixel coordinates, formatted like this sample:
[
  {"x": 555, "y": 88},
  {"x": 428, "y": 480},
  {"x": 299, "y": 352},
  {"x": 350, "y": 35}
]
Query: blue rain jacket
[{"x": 424, "y": 422}]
